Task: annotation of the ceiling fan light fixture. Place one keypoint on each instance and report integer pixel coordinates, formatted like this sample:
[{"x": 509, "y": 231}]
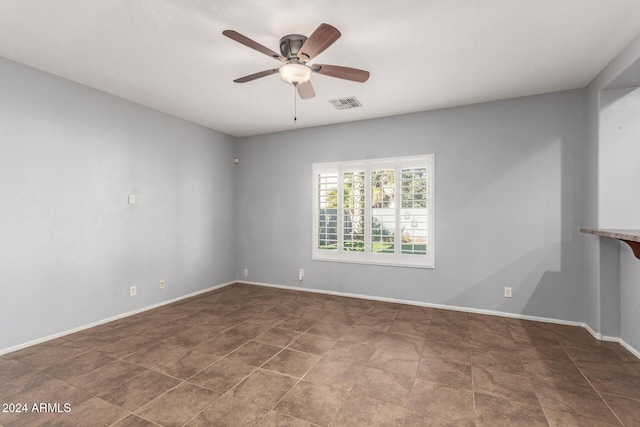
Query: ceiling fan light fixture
[
  {"x": 295, "y": 73},
  {"x": 295, "y": 52}
]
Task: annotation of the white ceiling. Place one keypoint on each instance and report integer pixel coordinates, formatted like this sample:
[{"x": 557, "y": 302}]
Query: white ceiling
[{"x": 171, "y": 55}]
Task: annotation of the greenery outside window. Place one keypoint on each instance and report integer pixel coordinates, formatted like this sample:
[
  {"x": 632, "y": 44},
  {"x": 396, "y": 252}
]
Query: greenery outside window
[{"x": 375, "y": 211}]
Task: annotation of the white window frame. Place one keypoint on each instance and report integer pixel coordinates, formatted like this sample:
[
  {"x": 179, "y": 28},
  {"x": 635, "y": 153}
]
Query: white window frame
[{"x": 367, "y": 256}]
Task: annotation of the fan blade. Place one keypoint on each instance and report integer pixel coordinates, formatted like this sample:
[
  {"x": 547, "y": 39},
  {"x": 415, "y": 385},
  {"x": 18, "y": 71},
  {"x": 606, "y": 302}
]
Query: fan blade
[
  {"x": 305, "y": 90},
  {"x": 250, "y": 77},
  {"x": 234, "y": 35},
  {"x": 318, "y": 41},
  {"x": 342, "y": 72}
]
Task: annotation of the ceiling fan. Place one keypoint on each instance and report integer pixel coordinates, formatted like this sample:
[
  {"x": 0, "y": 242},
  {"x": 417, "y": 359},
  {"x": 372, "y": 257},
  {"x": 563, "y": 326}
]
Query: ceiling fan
[{"x": 295, "y": 51}]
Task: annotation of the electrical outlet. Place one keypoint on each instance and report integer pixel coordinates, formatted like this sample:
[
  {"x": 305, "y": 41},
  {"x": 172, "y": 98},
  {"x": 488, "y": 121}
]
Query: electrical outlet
[
  {"x": 300, "y": 274},
  {"x": 246, "y": 273},
  {"x": 161, "y": 284},
  {"x": 507, "y": 292},
  {"x": 132, "y": 291}
]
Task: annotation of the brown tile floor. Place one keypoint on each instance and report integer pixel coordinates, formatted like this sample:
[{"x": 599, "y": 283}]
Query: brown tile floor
[{"x": 247, "y": 355}]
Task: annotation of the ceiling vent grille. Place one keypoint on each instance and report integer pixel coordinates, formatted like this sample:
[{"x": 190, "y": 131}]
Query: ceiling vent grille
[{"x": 345, "y": 103}]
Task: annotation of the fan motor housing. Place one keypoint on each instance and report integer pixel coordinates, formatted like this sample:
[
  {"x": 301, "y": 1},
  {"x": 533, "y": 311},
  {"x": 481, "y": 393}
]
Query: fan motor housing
[{"x": 290, "y": 45}]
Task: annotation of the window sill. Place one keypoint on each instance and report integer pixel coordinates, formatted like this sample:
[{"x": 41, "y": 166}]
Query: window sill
[{"x": 428, "y": 265}]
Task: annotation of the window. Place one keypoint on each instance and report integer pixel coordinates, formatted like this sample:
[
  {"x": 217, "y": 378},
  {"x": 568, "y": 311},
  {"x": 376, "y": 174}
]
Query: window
[{"x": 374, "y": 211}]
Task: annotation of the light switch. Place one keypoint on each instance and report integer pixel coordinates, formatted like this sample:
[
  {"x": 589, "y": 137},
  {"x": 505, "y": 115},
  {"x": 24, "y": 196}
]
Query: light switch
[{"x": 132, "y": 199}]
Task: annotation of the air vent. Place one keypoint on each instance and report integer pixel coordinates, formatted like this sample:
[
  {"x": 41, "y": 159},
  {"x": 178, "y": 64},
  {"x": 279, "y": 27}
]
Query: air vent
[{"x": 345, "y": 103}]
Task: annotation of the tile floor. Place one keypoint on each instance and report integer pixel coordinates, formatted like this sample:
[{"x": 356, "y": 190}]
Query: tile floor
[{"x": 246, "y": 355}]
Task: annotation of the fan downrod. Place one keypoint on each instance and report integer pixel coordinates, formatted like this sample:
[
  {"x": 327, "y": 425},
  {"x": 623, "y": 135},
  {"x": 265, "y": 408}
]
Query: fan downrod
[{"x": 290, "y": 45}]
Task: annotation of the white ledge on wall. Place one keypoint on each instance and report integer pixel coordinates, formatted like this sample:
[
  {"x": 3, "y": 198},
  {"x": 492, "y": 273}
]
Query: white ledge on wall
[{"x": 630, "y": 237}]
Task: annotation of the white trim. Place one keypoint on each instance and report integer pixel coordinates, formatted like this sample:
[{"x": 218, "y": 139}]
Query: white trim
[
  {"x": 596, "y": 335},
  {"x": 397, "y": 258},
  {"x": 111, "y": 319},
  {"x": 619, "y": 340},
  {"x": 631, "y": 350},
  {"x": 421, "y": 304}
]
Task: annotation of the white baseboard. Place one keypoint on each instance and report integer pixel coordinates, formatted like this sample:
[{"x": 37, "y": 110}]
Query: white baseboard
[
  {"x": 111, "y": 319},
  {"x": 631, "y": 350},
  {"x": 619, "y": 340},
  {"x": 595, "y": 334},
  {"x": 421, "y": 304}
]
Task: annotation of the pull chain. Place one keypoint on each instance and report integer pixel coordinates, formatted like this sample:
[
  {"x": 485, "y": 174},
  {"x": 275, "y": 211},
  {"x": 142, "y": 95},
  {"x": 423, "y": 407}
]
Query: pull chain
[{"x": 295, "y": 106}]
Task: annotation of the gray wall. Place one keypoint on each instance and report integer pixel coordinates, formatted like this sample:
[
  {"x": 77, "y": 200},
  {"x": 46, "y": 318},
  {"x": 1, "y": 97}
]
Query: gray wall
[
  {"x": 70, "y": 245},
  {"x": 612, "y": 274},
  {"x": 514, "y": 182},
  {"x": 508, "y": 205},
  {"x": 592, "y": 243}
]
